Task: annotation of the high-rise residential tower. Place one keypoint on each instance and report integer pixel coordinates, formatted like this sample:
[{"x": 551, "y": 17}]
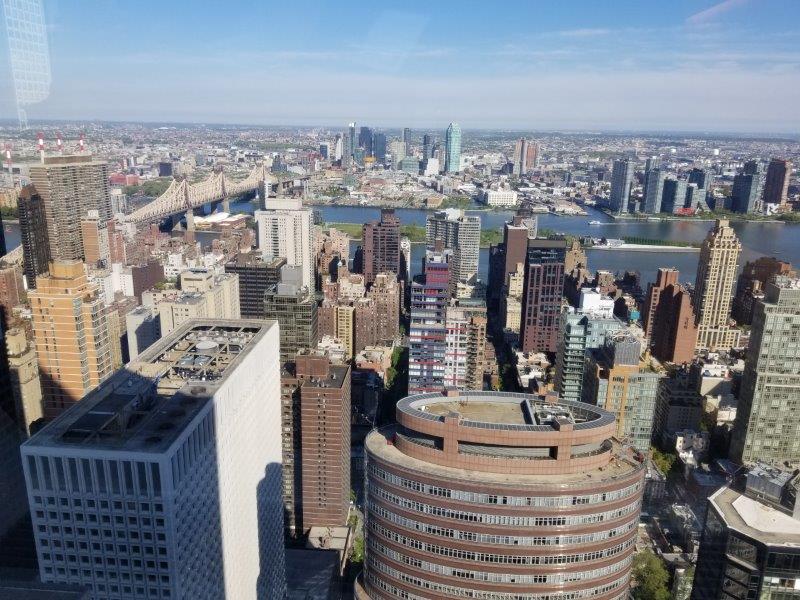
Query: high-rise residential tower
[
  {"x": 751, "y": 282},
  {"x": 453, "y": 148},
  {"x": 621, "y": 181},
  {"x": 674, "y": 326},
  {"x": 713, "y": 289},
  {"x": 776, "y": 184},
  {"x": 495, "y": 496},
  {"x": 294, "y": 306},
  {"x": 462, "y": 235},
  {"x": 166, "y": 481},
  {"x": 33, "y": 234},
  {"x": 70, "y": 187},
  {"x": 664, "y": 277},
  {"x": 325, "y": 440},
  {"x": 581, "y": 331},
  {"x": 428, "y": 331},
  {"x": 504, "y": 257},
  {"x": 617, "y": 380},
  {"x": 385, "y": 292},
  {"x": 746, "y": 186},
  {"x": 653, "y": 190},
  {"x": 525, "y": 156},
  {"x": 71, "y": 335},
  {"x": 286, "y": 230},
  {"x": 767, "y": 423},
  {"x": 465, "y": 321},
  {"x": 381, "y": 241},
  {"x": 542, "y": 294},
  {"x": 674, "y": 195}
]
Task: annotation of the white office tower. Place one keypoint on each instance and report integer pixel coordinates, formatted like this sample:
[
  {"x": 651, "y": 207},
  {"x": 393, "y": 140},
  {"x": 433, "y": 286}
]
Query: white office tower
[
  {"x": 286, "y": 229},
  {"x": 165, "y": 481}
]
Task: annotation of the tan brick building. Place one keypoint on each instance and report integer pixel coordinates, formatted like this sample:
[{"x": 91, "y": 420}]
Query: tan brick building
[{"x": 71, "y": 335}]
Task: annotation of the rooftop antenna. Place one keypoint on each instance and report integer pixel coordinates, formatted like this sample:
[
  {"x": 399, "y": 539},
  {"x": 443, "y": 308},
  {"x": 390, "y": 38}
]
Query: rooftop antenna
[
  {"x": 59, "y": 143},
  {"x": 41, "y": 145},
  {"x": 82, "y": 145}
]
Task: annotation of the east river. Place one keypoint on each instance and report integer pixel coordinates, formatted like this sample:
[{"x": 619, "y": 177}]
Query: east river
[{"x": 758, "y": 239}]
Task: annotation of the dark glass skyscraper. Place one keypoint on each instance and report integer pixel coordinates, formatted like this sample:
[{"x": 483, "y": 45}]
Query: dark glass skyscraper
[
  {"x": 33, "y": 234},
  {"x": 751, "y": 540},
  {"x": 427, "y": 146},
  {"x": 776, "y": 185},
  {"x": 255, "y": 277},
  {"x": 295, "y": 309},
  {"x": 744, "y": 193},
  {"x": 621, "y": 181},
  {"x": 365, "y": 140},
  {"x": 674, "y": 195},
  {"x": 379, "y": 147}
]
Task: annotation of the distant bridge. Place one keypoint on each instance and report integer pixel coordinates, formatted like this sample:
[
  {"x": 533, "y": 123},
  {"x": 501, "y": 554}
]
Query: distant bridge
[{"x": 184, "y": 197}]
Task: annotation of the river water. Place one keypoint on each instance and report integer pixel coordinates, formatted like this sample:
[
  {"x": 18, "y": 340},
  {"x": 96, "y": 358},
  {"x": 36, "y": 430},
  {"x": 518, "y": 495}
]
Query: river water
[{"x": 758, "y": 239}]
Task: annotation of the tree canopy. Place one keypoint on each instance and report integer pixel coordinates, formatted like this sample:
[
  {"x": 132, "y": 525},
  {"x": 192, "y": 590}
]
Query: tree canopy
[{"x": 650, "y": 576}]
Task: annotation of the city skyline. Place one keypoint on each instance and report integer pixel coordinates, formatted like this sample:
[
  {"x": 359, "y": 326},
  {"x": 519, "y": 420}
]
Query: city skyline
[
  {"x": 373, "y": 356},
  {"x": 640, "y": 55}
]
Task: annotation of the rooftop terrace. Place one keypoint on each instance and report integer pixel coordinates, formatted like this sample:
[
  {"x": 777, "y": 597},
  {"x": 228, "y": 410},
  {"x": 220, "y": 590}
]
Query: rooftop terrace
[{"x": 503, "y": 410}]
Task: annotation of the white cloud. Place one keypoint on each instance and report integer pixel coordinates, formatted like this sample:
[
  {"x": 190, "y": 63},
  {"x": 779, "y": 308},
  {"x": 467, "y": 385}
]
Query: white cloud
[
  {"x": 715, "y": 11},
  {"x": 582, "y": 33}
]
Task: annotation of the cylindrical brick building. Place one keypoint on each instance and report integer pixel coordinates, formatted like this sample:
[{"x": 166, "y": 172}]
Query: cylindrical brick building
[{"x": 493, "y": 495}]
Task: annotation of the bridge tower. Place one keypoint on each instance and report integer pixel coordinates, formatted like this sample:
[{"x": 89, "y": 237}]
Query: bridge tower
[
  {"x": 226, "y": 202},
  {"x": 189, "y": 210}
]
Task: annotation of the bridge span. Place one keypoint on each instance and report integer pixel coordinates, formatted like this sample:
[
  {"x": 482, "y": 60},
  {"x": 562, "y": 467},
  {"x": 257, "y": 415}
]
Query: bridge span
[{"x": 184, "y": 197}]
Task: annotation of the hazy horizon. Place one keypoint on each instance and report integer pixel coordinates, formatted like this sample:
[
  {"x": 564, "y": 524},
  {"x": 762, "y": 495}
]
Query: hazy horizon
[{"x": 730, "y": 66}]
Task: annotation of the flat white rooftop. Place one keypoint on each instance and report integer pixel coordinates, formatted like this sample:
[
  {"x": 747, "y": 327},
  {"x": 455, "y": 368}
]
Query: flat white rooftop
[{"x": 765, "y": 518}]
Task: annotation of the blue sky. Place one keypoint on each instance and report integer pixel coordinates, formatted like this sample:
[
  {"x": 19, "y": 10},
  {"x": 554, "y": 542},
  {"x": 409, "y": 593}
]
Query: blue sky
[{"x": 706, "y": 65}]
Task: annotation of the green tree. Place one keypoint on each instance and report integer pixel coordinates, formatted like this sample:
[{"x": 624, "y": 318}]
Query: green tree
[
  {"x": 663, "y": 460},
  {"x": 650, "y": 577},
  {"x": 463, "y": 202},
  {"x": 357, "y": 552}
]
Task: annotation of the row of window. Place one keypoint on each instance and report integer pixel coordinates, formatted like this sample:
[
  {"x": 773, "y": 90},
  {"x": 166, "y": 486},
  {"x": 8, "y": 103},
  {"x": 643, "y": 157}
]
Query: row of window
[
  {"x": 114, "y": 589},
  {"x": 504, "y": 540},
  {"x": 460, "y": 592},
  {"x": 478, "y": 498},
  {"x": 122, "y": 549},
  {"x": 105, "y": 505},
  {"x": 558, "y": 578},
  {"x": 91, "y": 476},
  {"x": 488, "y": 557},
  {"x": 510, "y": 520}
]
